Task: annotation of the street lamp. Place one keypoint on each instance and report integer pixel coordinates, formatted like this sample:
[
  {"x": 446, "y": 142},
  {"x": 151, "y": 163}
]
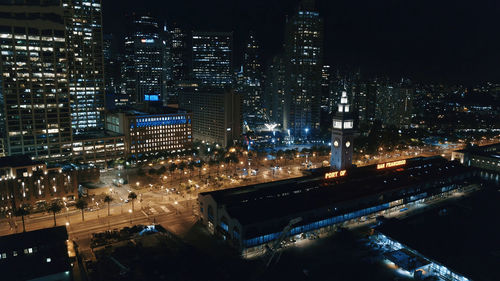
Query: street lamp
[{"x": 130, "y": 212}]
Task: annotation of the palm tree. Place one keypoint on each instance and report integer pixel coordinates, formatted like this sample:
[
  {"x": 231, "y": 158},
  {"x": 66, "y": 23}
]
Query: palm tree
[
  {"x": 172, "y": 169},
  {"x": 54, "y": 208},
  {"x": 181, "y": 168},
  {"x": 132, "y": 196},
  {"x": 190, "y": 167},
  {"x": 211, "y": 164},
  {"x": 108, "y": 199},
  {"x": 81, "y": 204},
  {"x": 217, "y": 163},
  {"x": 199, "y": 165},
  {"x": 23, "y": 211}
]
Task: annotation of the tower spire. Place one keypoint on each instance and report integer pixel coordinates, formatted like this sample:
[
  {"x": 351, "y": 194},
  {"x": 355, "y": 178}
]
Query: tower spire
[{"x": 342, "y": 135}]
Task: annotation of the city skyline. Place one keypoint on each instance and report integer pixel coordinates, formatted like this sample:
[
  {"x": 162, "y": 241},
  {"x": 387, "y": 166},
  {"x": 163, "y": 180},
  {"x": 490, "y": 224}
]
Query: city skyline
[
  {"x": 230, "y": 140},
  {"x": 425, "y": 41}
]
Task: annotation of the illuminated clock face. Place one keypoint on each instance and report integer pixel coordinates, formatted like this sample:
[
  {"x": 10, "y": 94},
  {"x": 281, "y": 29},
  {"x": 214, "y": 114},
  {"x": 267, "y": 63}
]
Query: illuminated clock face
[
  {"x": 336, "y": 143},
  {"x": 347, "y": 144}
]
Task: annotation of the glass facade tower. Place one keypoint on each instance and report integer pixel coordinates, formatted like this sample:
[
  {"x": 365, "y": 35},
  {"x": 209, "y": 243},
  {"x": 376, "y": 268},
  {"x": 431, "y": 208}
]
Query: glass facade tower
[
  {"x": 86, "y": 65},
  {"x": 144, "y": 61},
  {"x": 304, "y": 61},
  {"x": 213, "y": 58}
]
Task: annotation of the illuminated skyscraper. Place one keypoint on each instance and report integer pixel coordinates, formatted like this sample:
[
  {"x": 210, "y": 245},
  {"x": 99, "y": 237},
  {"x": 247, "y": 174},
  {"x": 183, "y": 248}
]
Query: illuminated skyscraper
[
  {"x": 325, "y": 84},
  {"x": 213, "y": 58},
  {"x": 144, "y": 66},
  {"x": 35, "y": 96},
  {"x": 251, "y": 84},
  {"x": 395, "y": 104},
  {"x": 275, "y": 89},
  {"x": 304, "y": 60},
  {"x": 180, "y": 53},
  {"x": 86, "y": 64},
  {"x": 112, "y": 70}
]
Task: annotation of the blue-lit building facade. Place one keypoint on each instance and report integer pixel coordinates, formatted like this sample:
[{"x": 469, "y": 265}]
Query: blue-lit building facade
[
  {"x": 150, "y": 134},
  {"x": 251, "y": 217}
]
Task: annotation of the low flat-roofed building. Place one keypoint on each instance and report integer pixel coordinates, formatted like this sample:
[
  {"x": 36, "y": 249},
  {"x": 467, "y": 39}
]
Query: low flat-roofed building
[
  {"x": 163, "y": 130},
  {"x": 407, "y": 260},
  {"x": 252, "y": 216},
  {"x": 36, "y": 255},
  {"x": 19, "y": 166},
  {"x": 485, "y": 157},
  {"x": 26, "y": 182}
]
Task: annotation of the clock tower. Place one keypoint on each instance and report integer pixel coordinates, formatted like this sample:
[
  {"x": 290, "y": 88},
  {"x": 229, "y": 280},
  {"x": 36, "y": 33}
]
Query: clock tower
[{"x": 342, "y": 136}]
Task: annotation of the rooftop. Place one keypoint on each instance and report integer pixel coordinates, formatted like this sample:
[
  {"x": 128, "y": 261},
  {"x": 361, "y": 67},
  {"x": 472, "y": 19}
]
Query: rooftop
[
  {"x": 406, "y": 260},
  {"x": 35, "y": 254},
  {"x": 95, "y": 135},
  {"x": 149, "y": 109},
  {"x": 282, "y": 199},
  {"x": 491, "y": 150},
  {"x": 17, "y": 161},
  {"x": 35, "y": 237}
]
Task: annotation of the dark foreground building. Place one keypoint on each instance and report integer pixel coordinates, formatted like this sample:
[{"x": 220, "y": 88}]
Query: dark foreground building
[
  {"x": 254, "y": 216},
  {"x": 457, "y": 240},
  {"x": 36, "y": 255}
]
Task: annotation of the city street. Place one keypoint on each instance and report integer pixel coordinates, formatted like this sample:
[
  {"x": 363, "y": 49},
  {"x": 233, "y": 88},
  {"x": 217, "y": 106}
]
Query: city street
[{"x": 175, "y": 210}]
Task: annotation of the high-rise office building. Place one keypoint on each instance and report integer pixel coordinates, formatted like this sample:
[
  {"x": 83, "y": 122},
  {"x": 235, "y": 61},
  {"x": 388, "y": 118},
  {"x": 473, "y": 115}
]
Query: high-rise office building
[
  {"x": 180, "y": 62},
  {"x": 303, "y": 55},
  {"x": 212, "y": 58},
  {"x": 326, "y": 77},
  {"x": 86, "y": 64},
  {"x": 275, "y": 89},
  {"x": 251, "y": 85},
  {"x": 179, "y": 48},
  {"x": 216, "y": 113},
  {"x": 365, "y": 97},
  {"x": 167, "y": 70},
  {"x": 112, "y": 73},
  {"x": 35, "y": 96},
  {"x": 144, "y": 66},
  {"x": 395, "y": 104}
]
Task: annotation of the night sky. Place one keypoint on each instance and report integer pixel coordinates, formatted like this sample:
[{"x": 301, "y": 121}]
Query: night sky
[{"x": 439, "y": 40}]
